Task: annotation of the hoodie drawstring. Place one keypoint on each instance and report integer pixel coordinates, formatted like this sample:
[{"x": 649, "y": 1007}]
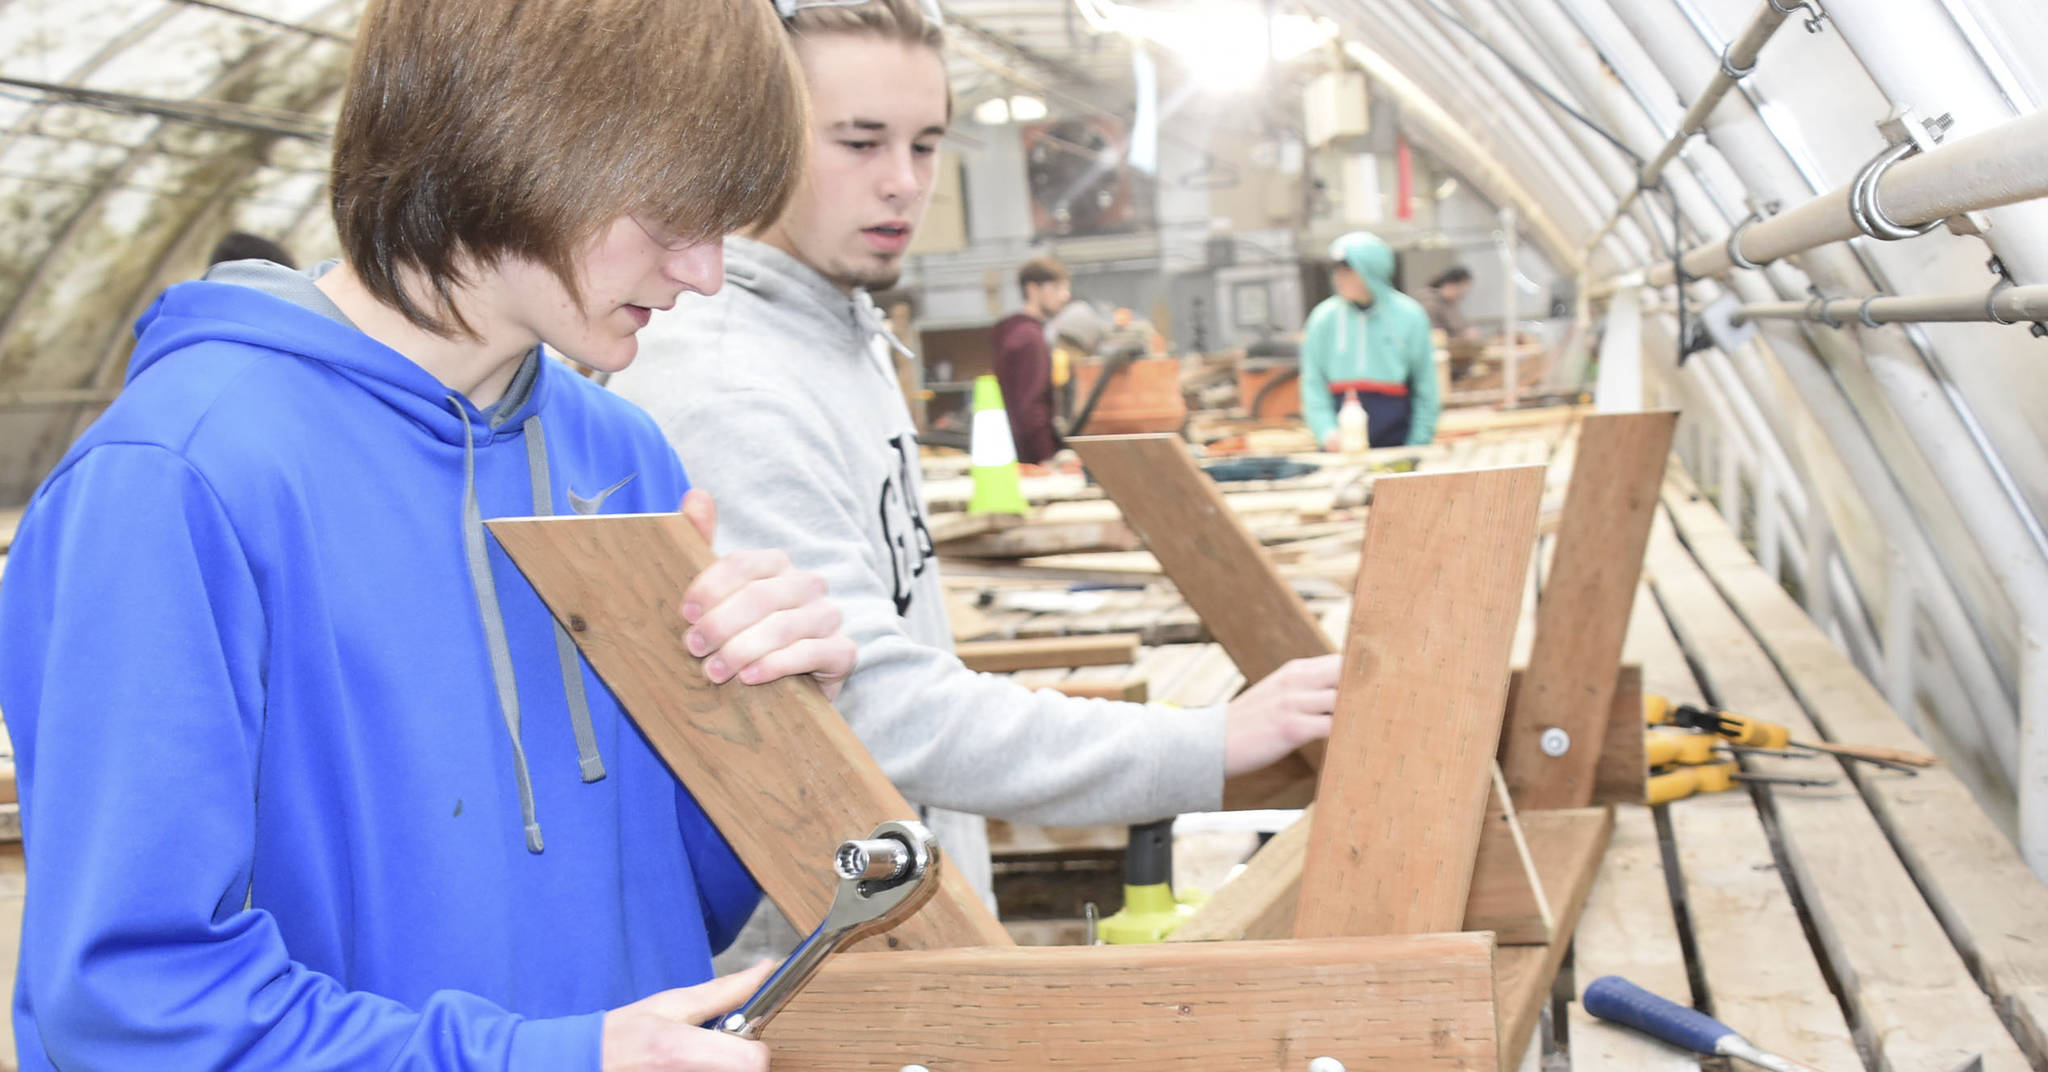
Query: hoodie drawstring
[
  {"x": 475, "y": 550},
  {"x": 587, "y": 759},
  {"x": 494, "y": 624},
  {"x": 868, "y": 316}
]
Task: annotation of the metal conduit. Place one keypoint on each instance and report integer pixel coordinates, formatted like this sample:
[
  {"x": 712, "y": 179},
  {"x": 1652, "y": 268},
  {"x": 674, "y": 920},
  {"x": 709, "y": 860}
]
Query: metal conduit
[
  {"x": 2004, "y": 305},
  {"x": 1736, "y": 64},
  {"x": 2002, "y": 165}
]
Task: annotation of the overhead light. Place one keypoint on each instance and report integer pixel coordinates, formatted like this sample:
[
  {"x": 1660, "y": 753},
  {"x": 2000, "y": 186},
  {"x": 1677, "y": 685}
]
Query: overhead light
[
  {"x": 1024, "y": 109},
  {"x": 993, "y": 112},
  {"x": 1212, "y": 35},
  {"x": 1446, "y": 188}
]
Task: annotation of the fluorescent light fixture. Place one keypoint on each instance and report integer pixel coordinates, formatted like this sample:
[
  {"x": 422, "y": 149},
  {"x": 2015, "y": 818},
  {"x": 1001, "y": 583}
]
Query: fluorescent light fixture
[
  {"x": 993, "y": 112},
  {"x": 1213, "y": 35},
  {"x": 1025, "y": 109}
]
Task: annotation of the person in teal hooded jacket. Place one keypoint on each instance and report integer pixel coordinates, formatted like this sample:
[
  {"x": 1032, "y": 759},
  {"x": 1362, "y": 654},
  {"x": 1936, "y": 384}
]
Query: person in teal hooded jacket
[{"x": 1370, "y": 340}]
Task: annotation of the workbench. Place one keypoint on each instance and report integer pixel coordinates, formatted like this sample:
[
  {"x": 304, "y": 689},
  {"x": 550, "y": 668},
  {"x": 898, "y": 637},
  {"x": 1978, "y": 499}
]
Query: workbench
[{"x": 1883, "y": 922}]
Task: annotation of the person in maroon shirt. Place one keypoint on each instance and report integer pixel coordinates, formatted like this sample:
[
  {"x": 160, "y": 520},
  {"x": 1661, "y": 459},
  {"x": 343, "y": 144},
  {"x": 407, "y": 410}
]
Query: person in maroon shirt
[{"x": 1024, "y": 360}]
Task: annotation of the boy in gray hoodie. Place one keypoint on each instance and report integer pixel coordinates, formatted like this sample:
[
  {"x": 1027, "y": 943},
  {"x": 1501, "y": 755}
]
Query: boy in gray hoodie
[{"x": 780, "y": 394}]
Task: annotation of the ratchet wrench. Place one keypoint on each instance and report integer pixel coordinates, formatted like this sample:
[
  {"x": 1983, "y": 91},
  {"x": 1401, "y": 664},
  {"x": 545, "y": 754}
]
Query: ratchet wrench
[{"x": 880, "y": 878}]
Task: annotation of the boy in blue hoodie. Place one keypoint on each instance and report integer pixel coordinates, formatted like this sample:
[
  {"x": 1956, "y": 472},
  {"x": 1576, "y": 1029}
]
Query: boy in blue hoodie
[
  {"x": 1370, "y": 341},
  {"x": 309, "y": 776}
]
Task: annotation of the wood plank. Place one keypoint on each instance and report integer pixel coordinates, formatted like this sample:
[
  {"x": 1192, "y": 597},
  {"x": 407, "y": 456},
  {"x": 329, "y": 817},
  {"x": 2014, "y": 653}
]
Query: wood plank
[
  {"x": 1406, "y": 1004},
  {"x": 1026, "y": 541},
  {"x": 1619, "y": 465},
  {"x": 1760, "y": 973},
  {"x": 1913, "y": 1001},
  {"x": 1006, "y": 656},
  {"x": 1155, "y": 481},
  {"x": 1619, "y": 776},
  {"x": 1988, "y": 901},
  {"x": 1419, "y": 709},
  {"x": 1523, "y": 973},
  {"x": 945, "y": 528},
  {"x": 1628, "y": 929},
  {"x": 1249, "y": 608},
  {"x": 774, "y": 766},
  {"x": 1261, "y": 902},
  {"x": 1128, "y": 690}
]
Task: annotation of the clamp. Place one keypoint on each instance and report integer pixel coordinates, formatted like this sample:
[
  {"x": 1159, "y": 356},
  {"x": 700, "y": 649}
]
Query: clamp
[
  {"x": 1789, "y": 8},
  {"x": 1908, "y": 137},
  {"x": 1997, "y": 267}
]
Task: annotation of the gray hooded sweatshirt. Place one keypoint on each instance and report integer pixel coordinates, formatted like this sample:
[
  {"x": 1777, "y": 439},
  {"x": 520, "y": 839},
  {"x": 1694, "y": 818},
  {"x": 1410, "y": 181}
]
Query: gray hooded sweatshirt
[{"x": 778, "y": 394}]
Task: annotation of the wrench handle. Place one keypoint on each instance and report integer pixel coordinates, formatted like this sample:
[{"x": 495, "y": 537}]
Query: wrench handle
[{"x": 749, "y": 1019}]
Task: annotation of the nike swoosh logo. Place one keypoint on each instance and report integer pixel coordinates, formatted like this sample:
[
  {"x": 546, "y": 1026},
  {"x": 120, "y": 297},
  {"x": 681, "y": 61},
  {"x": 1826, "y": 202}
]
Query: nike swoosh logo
[{"x": 596, "y": 502}]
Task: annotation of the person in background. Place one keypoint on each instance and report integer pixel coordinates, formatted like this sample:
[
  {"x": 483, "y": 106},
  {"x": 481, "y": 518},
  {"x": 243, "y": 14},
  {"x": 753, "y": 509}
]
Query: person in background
[
  {"x": 1444, "y": 300},
  {"x": 1023, "y": 364},
  {"x": 1369, "y": 341},
  {"x": 1074, "y": 334},
  {"x": 310, "y": 777},
  {"x": 243, "y": 246},
  {"x": 780, "y": 384}
]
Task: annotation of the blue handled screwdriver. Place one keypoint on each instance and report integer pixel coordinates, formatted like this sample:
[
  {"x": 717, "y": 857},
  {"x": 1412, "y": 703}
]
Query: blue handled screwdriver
[{"x": 1612, "y": 997}]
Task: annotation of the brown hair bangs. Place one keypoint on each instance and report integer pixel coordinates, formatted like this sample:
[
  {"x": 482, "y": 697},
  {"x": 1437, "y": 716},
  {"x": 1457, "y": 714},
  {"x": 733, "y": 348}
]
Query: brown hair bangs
[
  {"x": 1039, "y": 270},
  {"x": 897, "y": 20},
  {"x": 475, "y": 130}
]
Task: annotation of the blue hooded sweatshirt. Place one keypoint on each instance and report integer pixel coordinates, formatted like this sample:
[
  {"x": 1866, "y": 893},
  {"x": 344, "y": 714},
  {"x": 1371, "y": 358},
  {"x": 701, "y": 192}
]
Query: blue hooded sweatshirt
[
  {"x": 276, "y": 699},
  {"x": 1387, "y": 343}
]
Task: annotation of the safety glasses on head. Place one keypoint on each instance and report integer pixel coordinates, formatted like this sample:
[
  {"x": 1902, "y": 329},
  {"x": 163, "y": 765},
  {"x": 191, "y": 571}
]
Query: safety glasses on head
[{"x": 788, "y": 8}]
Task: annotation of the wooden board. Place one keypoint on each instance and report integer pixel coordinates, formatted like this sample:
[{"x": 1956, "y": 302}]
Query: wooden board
[
  {"x": 774, "y": 766},
  {"x": 1419, "y": 708},
  {"x": 1130, "y": 690},
  {"x": 1618, "y": 468},
  {"x": 1005, "y": 656},
  {"x": 1758, "y": 967},
  {"x": 1989, "y": 903},
  {"x": 1622, "y": 771},
  {"x": 1025, "y": 541},
  {"x": 1260, "y": 903},
  {"x": 1912, "y": 1000},
  {"x": 1248, "y": 607},
  {"x": 1619, "y": 776},
  {"x": 1523, "y": 973},
  {"x": 1407, "y": 1004},
  {"x": 1628, "y": 929}
]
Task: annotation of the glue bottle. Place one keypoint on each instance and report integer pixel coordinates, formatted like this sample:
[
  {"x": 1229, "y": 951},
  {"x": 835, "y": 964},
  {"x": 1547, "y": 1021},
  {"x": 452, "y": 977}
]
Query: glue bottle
[{"x": 1351, "y": 435}]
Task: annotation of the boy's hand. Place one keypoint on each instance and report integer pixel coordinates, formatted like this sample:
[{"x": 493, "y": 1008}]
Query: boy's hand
[
  {"x": 662, "y": 1033},
  {"x": 756, "y": 617},
  {"x": 1286, "y": 710}
]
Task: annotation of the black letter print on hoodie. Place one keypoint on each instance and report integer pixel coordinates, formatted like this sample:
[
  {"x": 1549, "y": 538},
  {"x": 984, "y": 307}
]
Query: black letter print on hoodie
[{"x": 903, "y": 528}]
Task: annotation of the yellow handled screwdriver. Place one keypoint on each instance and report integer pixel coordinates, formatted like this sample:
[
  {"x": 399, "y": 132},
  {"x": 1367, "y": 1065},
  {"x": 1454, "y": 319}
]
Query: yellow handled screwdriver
[
  {"x": 1681, "y": 782},
  {"x": 1757, "y": 733},
  {"x": 1741, "y": 729},
  {"x": 1662, "y": 748}
]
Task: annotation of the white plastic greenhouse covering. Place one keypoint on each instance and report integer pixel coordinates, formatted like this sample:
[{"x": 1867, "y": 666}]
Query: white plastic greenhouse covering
[{"x": 1888, "y": 459}]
